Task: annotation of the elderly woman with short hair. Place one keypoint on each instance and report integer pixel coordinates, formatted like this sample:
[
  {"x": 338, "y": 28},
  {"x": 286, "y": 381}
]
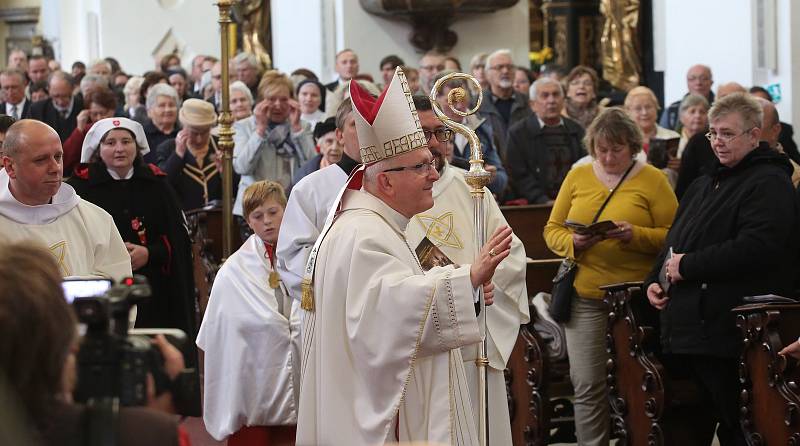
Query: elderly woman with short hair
[
  {"x": 133, "y": 107},
  {"x": 642, "y": 209},
  {"x": 274, "y": 142},
  {"x": 162, "y": 111},
  {"x": 642, "y": 106},
  {"x": 733, "y": 236},
  {"x": 241, "y": 101},
  {"x": 581, "y": 105},
  {"x": 693, "y": 116}
]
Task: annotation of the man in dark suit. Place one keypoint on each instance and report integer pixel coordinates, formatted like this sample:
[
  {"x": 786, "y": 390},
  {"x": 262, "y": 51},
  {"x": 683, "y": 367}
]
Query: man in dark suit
[
  {"x": 346, "y": 67},
  {"x": 61, "y": 110},
  {"x": 13, "y": 83}
]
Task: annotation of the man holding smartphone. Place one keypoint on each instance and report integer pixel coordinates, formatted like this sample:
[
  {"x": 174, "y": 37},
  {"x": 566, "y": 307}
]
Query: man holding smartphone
[{"x": 36, "y": 205}]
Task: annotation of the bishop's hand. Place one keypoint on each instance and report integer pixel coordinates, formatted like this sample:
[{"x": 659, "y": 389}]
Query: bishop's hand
[{"x": 493, "y": 252}]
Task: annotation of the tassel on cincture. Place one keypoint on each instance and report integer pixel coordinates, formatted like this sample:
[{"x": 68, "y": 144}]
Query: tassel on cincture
[{"x": 307, "y": 300}]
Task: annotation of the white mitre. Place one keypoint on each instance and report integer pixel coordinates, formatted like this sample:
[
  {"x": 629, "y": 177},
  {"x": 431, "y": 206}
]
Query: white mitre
[{"x": 389, "y": 125}]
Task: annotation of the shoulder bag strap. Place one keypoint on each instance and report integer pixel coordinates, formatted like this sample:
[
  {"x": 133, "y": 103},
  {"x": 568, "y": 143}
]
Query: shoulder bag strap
[{"x": 625, "y": 175}]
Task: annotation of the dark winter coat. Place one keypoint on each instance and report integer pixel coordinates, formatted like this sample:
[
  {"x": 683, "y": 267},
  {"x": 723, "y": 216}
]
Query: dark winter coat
[
  {"x": 529, "y": 160},
  {"x": 737, "y": 229},
  {"x": 146, "y": 212}
]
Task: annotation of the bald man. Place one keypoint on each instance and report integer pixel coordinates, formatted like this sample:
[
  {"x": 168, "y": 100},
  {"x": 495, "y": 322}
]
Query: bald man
[
  {"x": 36, "y": 205},
  {"x": 770, "y": 133},
  {"x": 698, "y": 81},
  {"x": 728, "y": 88}
]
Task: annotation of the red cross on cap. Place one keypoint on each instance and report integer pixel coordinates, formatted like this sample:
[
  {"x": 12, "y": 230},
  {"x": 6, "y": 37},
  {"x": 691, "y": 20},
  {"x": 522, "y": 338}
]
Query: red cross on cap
[{"x": 115, "y": 122}]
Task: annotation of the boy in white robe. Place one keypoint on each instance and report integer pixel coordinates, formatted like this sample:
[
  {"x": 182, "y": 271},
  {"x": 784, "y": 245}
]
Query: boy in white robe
[{"x": 251, "y": 336}]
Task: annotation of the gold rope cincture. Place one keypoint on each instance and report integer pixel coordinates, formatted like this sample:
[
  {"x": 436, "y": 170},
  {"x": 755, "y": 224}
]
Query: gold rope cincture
[{"x": 307, "y": 285}]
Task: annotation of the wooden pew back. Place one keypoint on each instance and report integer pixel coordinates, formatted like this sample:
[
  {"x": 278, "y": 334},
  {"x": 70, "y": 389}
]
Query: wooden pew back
[
  {"x": 528, "y": 224},
  {"x": 770, "y": 398}
]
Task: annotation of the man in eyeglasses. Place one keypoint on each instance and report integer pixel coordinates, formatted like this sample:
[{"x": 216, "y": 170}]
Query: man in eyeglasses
[
  {"x": 444, "y": 234},
  {"x": 382, "y": 337},
  {"x": 698, "y": 81},
  {"x": 502, "y": 107}
]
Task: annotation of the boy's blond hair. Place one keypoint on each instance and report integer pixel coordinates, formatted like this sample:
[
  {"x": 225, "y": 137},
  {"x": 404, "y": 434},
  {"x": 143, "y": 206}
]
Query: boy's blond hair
[{"x": 260, "y": 192}]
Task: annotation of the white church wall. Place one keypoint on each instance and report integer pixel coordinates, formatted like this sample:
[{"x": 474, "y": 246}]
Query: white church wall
[
  {"x": 344, "y": 24},
  {"x": 723, "y": 35},
  {"x": 132, "y": 31}
]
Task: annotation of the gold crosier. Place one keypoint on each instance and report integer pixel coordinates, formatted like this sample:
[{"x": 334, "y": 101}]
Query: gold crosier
[
  {"x": 477, "y": 178},
  {"x": 226, "y": 130}
]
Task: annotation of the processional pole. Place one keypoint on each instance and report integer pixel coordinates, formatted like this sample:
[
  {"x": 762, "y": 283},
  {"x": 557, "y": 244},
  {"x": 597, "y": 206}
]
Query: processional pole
[
  {"x": 477, "y": 178},
  {"x": 226, "y": 130}
]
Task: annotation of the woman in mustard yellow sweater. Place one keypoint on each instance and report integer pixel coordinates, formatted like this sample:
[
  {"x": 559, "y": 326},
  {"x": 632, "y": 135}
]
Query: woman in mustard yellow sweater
[{"x": 642, "y": 208}]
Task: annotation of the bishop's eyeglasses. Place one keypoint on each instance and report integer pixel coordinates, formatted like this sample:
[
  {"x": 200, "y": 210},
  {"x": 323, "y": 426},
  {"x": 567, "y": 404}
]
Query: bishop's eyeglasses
[{"x": 420, "y": 169}]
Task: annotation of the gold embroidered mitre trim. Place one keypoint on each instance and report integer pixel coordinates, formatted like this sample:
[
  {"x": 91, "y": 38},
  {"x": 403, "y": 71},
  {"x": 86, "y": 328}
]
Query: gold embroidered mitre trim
[{"x": 387, "y": 126}]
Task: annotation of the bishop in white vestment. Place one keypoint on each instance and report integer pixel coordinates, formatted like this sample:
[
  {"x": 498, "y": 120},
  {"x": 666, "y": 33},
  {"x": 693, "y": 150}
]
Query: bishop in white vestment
[{"x": 381, "y": 337}]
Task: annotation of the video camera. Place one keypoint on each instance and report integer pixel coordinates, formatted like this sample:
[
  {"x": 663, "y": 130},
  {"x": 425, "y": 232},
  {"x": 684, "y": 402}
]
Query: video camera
[{"x": 113, "y": 364}]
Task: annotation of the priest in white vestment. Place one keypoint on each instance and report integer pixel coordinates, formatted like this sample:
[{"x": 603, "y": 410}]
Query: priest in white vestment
[
  {"x": 448, "y": 227},
  {"x": 381, "y": 337},
  {"x": 310, "y": 201},
  {"x": 251, "y": 335},
  {"x": 36, "y": 205}
]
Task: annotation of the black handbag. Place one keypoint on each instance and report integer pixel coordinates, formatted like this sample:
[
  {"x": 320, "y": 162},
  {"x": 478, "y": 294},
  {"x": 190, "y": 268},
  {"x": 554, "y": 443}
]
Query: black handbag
[{"x": 564, "y": 282}]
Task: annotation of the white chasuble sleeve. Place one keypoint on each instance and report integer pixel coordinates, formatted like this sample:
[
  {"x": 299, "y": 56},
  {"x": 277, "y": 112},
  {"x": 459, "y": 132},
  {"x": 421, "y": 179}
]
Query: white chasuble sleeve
[{"x": 111, "y": 258}]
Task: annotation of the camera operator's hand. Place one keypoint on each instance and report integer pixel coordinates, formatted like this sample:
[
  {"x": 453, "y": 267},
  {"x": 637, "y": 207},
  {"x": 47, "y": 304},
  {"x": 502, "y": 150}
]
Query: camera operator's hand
[
  {"x": 139, "y": 255},
  {"x": 173, "y": 365},
  {"x": 173, "y": 358}
]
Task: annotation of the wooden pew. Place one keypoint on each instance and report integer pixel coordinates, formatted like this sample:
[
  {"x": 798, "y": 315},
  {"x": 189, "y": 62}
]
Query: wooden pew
[
  {"x": 528, "y": 223},
  {"x": 205, "y": 228},
  {"x": 770, "y": 398},
  {"x": 648, "y": 407},
  {"x": 538, "y": 390}
]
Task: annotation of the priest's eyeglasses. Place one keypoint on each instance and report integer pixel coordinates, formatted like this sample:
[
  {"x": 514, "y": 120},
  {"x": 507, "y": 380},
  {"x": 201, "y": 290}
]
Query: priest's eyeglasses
[
  {"x": 421, "y": 168},
  {"x": 443, "y": 134},
  {"x": 725, "y": 137}
]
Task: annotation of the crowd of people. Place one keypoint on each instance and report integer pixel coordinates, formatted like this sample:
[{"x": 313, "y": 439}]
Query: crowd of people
[{"x": 351, "y": 310}]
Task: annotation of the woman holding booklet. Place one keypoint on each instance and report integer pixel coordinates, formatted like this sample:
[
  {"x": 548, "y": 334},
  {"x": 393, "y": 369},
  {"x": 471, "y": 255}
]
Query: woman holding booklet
[{"x": 611, "y": 216}]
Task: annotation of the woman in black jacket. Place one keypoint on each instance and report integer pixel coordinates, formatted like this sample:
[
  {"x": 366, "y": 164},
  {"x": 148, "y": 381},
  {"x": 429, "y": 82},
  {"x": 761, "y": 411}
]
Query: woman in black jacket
[
  {"x": 147, "y": 214},
  {"x": 733, "y": 236}
]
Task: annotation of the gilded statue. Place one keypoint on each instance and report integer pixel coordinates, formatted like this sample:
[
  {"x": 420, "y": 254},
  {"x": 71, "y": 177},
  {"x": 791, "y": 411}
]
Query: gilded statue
[
  {"x": 621, "y": 62},
  {"x": 254, "y": 18}
]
